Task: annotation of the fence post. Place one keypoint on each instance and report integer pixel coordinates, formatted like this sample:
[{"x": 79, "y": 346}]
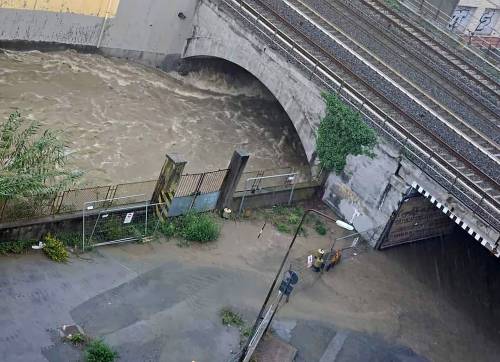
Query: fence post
[
  {"x": 234, "y": 172},
  {"x": 168, "y": 180}
]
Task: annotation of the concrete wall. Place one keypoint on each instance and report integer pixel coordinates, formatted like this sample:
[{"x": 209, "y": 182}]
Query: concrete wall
[
  {"x": 479, "y": 16},
  {"x": 149, "y": 31}
]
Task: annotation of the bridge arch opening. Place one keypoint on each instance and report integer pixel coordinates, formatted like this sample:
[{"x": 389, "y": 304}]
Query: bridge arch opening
[
  {"x": 120, "y": 118},
  {"x": 235, "y": 77}
]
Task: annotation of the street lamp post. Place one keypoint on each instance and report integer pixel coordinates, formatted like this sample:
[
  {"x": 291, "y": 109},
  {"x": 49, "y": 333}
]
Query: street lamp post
[{"x": 262, "y": 323}]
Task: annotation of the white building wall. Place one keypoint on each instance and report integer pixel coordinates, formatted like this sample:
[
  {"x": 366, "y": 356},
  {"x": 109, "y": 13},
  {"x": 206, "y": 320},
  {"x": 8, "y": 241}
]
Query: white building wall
[{"x": 481, "y": 17}]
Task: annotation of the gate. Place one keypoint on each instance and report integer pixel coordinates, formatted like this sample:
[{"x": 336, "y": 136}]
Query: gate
[
  {"x": 105, "y": 224},
  {"x": 198, "y": 192}
]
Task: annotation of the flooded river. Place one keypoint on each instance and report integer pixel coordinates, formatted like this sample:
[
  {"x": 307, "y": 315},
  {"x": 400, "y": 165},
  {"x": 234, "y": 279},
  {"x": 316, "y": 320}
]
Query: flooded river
[{"x": 120, "y": 118}]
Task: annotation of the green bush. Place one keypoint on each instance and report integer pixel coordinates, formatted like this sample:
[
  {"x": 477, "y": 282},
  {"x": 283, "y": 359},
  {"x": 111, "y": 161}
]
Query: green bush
[
  {"x": 69, "y": 238},
  {"x": 283, "y": 228},
  {"x": 294, "y": 219},
  {"x": 78, "y": 339},
  {"x": 341, "y": 133},
  {"x": 55, "y": 249},
  {"x": 15, "y": 247},
  {"x": 230, "y": 318},
  {"x": 198, "y": 227},
  {"x": 320, "y": 228},
  {"x": 167, "y": 229},
  {"x": 98, "y": 351}
]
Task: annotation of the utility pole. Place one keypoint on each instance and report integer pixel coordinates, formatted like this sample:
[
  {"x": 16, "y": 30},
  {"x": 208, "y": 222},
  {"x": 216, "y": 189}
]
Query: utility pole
[{"x": 265, "y": 318}]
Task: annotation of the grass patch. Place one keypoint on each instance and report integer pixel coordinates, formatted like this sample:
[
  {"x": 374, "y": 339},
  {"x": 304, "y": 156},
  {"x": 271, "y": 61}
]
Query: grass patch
[
  {"x": 199, "y": 227},
  {"x": 232, "y": 319},
  {"x": 320, "y": 227},
  {"x": 283, "y": 228},
  {"x": 78, "y": 339},
  {"x": 55, "y": 249},
  {"x": 191, "y": 227},
  {"x": 69, "y": 238},
  {"x": 16, "y": 247},
  {"x": 167, "y": 229},
  {"x": 99, "y": 351},
  {"x": 284, "y": 218}
]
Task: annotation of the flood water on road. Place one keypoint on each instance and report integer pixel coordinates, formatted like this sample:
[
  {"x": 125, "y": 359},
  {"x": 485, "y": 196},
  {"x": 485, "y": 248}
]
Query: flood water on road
[{"x": 120, "y": 118}]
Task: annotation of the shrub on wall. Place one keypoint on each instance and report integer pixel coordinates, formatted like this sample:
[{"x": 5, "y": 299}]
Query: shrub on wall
[{"x": 342, "y": 132}]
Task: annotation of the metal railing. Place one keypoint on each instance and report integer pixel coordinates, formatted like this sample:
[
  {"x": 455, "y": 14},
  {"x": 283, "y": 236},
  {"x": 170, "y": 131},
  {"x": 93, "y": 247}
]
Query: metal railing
[
  {"x": 70, "y": 201},
  {"x": 202, "y": 183},
  {"x": 262, "y": 181},
  {"x": 432, "y": 164}
]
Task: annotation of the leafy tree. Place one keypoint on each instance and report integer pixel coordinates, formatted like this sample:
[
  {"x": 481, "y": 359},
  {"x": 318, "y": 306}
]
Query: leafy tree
[
  {"x": 342, "y": 132},
  {"x": 32, "y": 160}
]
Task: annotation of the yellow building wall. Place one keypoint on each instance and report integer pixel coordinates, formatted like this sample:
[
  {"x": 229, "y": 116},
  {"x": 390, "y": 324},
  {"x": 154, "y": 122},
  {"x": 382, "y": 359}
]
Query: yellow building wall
[{"x": 83, "y": 7}]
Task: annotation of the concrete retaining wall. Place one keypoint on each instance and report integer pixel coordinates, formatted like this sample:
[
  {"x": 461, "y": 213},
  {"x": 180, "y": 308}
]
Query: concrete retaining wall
[{"x": 149, "y": 31}]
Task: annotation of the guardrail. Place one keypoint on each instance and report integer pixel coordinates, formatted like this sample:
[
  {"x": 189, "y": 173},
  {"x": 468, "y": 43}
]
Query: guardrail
[{"x": 433, "y": 165}]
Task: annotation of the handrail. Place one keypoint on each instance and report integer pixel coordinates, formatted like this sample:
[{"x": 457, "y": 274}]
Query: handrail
[{"x": 364, "y": 104}]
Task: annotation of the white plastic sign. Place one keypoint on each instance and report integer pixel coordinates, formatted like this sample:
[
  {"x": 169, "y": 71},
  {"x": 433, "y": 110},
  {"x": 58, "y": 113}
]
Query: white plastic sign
[
  {"x": 128, "y": 218},
  {"x": 309, "y": 261}
]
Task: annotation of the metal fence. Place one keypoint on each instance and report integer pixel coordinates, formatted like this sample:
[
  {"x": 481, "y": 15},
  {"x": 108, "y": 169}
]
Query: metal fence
[
  {"x": 262, "y": 182},
  {"x": 69, "y": 201},
  {"x": 104, "y": 224},
  {"x": 198, "y": 192}
]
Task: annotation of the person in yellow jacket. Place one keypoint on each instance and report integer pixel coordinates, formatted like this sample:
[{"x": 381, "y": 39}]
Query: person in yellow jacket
[{"x": 318, "y": 261}]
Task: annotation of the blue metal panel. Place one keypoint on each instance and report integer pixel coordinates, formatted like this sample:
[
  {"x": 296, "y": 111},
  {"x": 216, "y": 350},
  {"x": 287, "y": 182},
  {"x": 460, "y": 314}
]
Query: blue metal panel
[
  {"x": 204, "y": 202},
  {"x": 180, "y": 205}
]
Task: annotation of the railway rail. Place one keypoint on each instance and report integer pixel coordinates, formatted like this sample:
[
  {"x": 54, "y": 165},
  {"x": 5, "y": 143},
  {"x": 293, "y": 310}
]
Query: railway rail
[
  {"x": 389, "y": 106},
  {"x": 488, "y": 138},
  {"x": 433, "y": 156},
  {"x": 488, "y": 85}
]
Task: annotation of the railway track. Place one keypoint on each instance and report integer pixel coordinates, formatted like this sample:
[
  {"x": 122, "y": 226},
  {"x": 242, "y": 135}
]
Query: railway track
[
  {"x": 437, "y": 159},
  {"x": 488, "y": 139},
  {"x": 388, "y": 97},
  {"x": 487, "y": 84}
]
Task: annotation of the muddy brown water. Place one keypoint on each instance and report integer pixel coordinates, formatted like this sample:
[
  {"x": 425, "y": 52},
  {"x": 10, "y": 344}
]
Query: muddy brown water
[{"x": 119, "y": 118}]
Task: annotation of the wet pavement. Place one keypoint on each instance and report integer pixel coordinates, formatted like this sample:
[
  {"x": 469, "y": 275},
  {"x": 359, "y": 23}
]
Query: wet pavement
[{"x": 160, "y": 302}]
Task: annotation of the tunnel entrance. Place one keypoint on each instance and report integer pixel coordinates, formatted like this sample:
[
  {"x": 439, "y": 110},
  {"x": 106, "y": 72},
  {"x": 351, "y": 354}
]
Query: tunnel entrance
[
  {"x": 415, "y": 219},
  {"x": 457, "y": 269},
  {"x": 448, "y": 258}
]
